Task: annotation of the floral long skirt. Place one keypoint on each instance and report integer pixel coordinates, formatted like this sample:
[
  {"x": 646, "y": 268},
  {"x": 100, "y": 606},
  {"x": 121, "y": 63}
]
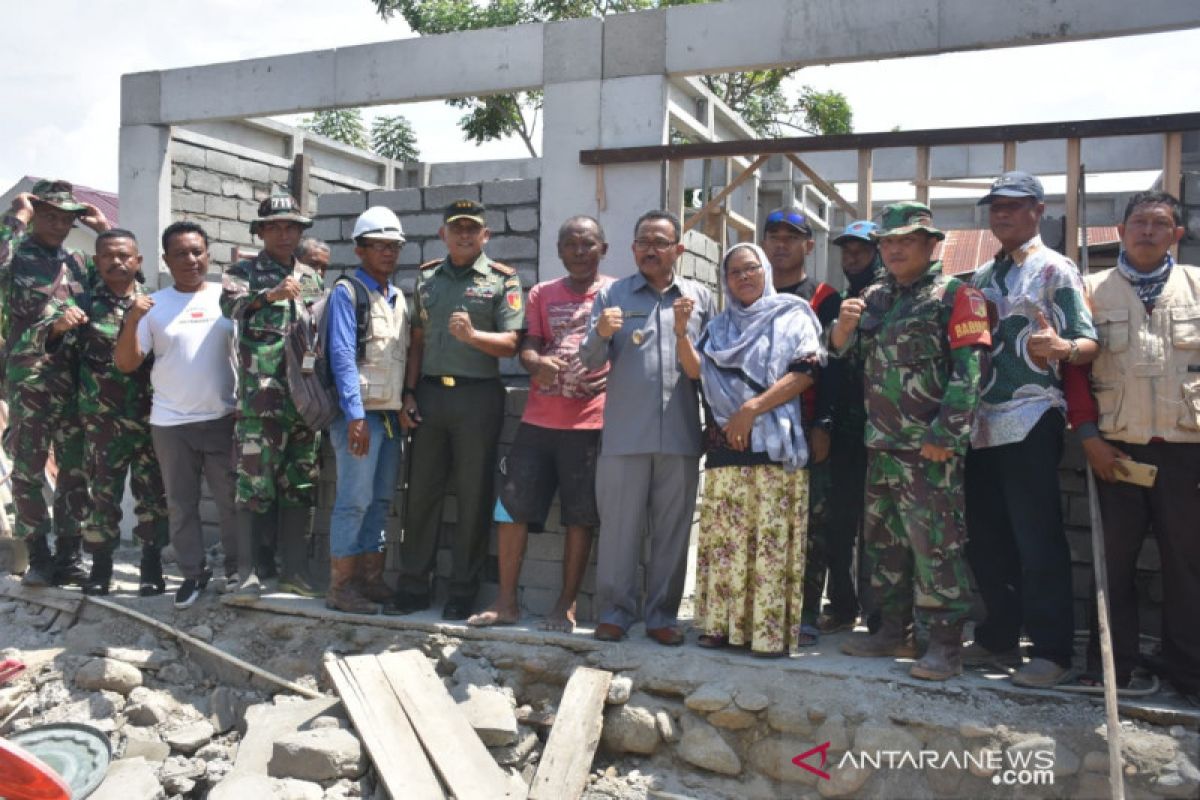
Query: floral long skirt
[{"x": 750, "y": 560}]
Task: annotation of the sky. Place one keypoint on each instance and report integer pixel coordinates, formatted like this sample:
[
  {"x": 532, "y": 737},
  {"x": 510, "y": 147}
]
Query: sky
[{"x": 61, "y": 84}]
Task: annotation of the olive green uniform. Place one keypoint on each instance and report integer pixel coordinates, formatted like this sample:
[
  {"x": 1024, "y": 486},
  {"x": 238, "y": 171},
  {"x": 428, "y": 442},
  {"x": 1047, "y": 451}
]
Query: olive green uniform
[{"x": 461, "y": 403}]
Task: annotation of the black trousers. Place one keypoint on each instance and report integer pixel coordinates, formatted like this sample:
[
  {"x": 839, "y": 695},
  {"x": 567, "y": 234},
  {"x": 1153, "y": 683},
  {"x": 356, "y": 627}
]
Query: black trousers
[
  {"x": 1172, "y": 509},
  {"x": 1016, "y": 544},
  {"x": 454, "y": 448}
]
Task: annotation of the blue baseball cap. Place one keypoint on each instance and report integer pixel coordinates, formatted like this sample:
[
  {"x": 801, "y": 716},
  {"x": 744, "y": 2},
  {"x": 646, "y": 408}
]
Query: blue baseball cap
[
  {"x": 1015, "y": 184},
  {"x": 860, "y": 229}
]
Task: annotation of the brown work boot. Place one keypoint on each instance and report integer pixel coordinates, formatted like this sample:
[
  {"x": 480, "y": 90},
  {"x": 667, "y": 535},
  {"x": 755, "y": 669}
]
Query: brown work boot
[
  {"x": 943, "y": 658},
  {"x": 343, "y": 594},
  {"x": 371, "y": 584},
  {"x": 894, "y": 639}
]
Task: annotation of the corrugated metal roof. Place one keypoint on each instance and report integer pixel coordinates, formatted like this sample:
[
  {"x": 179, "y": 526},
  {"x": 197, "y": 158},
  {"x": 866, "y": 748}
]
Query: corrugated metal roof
[
  {"x": 105, "y": 201},
  {"x": 964, "y": 250}
]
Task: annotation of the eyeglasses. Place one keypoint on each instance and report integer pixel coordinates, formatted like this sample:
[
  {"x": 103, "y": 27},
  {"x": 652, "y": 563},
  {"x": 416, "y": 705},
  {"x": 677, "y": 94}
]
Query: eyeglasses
[
  {"x": 658, "y": 245},
  {"x": 385, "y": 247},
  {"x": 739, "y": 274}
]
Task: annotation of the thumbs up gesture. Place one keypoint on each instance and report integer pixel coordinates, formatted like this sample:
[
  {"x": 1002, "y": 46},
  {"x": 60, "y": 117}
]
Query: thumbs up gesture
[{"x": 1045, "y": 345}]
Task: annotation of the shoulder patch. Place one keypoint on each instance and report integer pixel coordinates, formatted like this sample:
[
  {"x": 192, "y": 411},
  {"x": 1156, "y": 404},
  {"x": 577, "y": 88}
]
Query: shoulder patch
[
  {"x": 969, "y": 320},
  {"x": 503, "y": 269},
  {"x": 430, "y": 264}
]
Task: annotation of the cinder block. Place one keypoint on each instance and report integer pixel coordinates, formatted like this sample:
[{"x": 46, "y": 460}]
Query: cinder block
[
  {"x": 281, "y": 176},
  {"x": 410, "y": 256},
  {"x": 436, "y": 198},
  {"x": 187, "y": 202},
  {"x": 508, "y": 248},
  {"x": 433, "y": 249},
  {"x": 538, "y": 601},
  {"x": 511, "y": 193},
  {"x": 190, "y": 154},
  {"x": 247, "y": 210},
  {"x": 342, "y": 254},
  {"x": 421, "y": 224},
  {"x": 203, "y": 182},
  {"x": 327, "y": 229},
  {"x": 217, "y": 161},
  {"x": 494, "y": 221},
  {"x": 255, "y": 171},
  {"x": 523, "y": 220},
  {"x": 543, "y": 574},
  {"x": 178, "y": 177},
  {"x": 397, "y": 200},
  {"x": 231, "y": 187},
  {"x": 342, "y": 203},
  {"x": 545, "y": 547},
  {"x": 226, "y": 207},
  {"x": 236, "y": 232}
]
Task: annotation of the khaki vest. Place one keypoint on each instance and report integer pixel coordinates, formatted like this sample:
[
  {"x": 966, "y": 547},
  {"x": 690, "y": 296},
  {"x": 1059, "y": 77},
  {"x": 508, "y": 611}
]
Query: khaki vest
[
  {"x": 381, "y": 370},
  {"x": 1147, "y": 377}
]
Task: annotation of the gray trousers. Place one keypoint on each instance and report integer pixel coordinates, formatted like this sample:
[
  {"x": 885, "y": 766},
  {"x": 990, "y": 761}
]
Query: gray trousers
[
  {"x": 184, "y": 453},
  {"x": 632, "y": 490}
]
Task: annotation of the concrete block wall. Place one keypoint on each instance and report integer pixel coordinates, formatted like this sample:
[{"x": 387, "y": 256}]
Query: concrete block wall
[{"x": 1189, "y": 248}]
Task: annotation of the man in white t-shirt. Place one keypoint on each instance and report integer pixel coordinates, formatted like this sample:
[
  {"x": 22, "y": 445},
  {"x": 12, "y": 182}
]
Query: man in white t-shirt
[{"x": 191, "y": 418}]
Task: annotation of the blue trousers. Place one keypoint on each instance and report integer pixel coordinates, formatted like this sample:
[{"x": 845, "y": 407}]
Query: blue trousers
[{"x": 365, "y": 486}]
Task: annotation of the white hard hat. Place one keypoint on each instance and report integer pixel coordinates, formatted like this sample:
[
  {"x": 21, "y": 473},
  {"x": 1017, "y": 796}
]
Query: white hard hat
[{"x": 378, "y": 222}]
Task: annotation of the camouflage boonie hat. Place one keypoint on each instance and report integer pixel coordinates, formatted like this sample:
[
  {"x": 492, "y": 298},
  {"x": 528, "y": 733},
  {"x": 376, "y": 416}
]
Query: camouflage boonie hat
[
  {"x": 906, "y": 217},
  {"x": 279, "y": 206},
  {"x": 58, "y": 194}
]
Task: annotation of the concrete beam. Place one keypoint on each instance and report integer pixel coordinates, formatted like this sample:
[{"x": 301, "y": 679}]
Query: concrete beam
[
  {"x": 752, "y": 34},
  {"x": 408, "y": 70},
  {"x": 144, "y": 185}
]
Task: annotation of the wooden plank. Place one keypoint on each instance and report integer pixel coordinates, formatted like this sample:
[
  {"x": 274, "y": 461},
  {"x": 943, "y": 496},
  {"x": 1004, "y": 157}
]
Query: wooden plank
[
  {"x": 996, "y": 134},
  {"x": 944, "y": 184},
  {"x": 1010, "y": 155},
  {"x": 825, "y": 186},
  {"x": 379, "y": 718},
  {"x": 567, "y": 759},
  {"x": 1172, "y": 174},
  {"x": 720, "y": 196},
  {"x": 922, "y": 177},
  {"x": 865, "y": 173},
  {"x": 48, "y": 597},
  {"x": 466, "y": 767},
  {"x": 1072, "y": 221},
  {"x": 675, "y": 188}
]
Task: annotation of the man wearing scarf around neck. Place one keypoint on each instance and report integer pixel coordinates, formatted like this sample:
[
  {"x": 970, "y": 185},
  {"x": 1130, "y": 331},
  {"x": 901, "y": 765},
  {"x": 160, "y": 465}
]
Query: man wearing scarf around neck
[
  {"x": 1017, "y": 547},
  {"x": 863, "y": 267},
  {"x": 1146, "y": 407},
  {"x": 922, "y": 336}
]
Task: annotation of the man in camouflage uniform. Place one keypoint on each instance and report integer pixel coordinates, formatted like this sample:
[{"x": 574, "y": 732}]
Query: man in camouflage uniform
[
  {"x": 922, "y": 336},
  {"x": 39, "y": 279},
  {"x": 276, "y": 452},
  {"x": 114, "y": 408}
]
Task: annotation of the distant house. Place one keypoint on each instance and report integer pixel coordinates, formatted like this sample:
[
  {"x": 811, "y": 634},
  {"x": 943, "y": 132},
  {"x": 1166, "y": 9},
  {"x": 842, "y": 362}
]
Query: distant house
[
  {"x": 82, "y": 237},
  {"x": 964, "y": 250}
]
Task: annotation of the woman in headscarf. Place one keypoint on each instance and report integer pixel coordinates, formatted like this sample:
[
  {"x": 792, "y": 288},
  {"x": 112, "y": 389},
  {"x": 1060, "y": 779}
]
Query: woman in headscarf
[{"x": 755, "y": 359}]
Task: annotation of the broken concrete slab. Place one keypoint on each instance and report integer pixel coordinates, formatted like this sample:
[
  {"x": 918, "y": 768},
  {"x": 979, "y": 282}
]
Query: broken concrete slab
[
  {"x": 318, "y": 755},
  {"x": 130, "y": 779},
  {"x": 190, "y": 738},
  {"x": 267, "y": 722},
  {"x": 490, "y": 712},
  {"x": 108, "y": 673}
]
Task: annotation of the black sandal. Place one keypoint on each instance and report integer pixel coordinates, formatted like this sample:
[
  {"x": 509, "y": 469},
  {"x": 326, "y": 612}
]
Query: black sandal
[{"x": 713, "y": 641}]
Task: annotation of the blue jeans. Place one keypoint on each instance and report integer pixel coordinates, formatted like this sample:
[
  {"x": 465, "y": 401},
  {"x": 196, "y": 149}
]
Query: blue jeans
[{"x": 365, "y": 486}]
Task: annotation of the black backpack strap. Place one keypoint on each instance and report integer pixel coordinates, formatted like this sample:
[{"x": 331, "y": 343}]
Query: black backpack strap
[{"x": 362, "y": 312}]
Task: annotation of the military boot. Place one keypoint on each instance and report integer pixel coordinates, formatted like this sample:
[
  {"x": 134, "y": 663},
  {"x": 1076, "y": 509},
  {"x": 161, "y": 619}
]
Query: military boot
[
  {"x": 99, "y": 580},
  {"x": 343, "y": 594},
  {"x": 266, "y": 537},
  {"x": 68, "y": 561},
  {"x": 41, "y": 563},
  {"x": 372, "y": 585},
  {"x": 943, "y": 657},
  {"x": 244, "y": 523},
  {"x": 295, "y": 525},
  {"x": 150, "y": 578},
  {"x": 894, "y": 639}
]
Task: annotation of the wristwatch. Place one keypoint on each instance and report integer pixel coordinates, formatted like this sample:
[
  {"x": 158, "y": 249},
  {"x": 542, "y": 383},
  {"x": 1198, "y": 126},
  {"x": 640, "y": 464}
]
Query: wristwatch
[
  {"x": 1074, "y": 352},
  {"x": 407, "y": 390}
]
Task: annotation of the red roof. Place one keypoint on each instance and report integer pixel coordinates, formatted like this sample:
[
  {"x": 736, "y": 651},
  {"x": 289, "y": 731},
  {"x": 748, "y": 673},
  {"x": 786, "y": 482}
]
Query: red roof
[
  {"x": 965, "y": 250},
  {"x": 105, "y": 201}
]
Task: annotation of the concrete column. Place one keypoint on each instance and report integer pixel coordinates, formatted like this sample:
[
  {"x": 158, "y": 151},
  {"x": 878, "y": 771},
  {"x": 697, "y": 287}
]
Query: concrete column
[{"x": 145, "y": 191}]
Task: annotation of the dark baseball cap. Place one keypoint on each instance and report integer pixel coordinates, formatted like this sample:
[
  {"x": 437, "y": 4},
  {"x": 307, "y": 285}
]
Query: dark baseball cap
[
  {"x": 792, "y": 217},
  {"x": 1015, "y": 184},
  {"x": 464, "y": 209}
]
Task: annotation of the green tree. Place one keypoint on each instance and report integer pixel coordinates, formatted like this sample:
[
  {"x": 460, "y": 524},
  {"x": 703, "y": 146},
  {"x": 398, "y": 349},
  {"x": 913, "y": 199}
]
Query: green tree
[
  {"x": 759, "y": 95},
  {"x": 393, "y": 137},
  {"x": 344, "y": 125}
]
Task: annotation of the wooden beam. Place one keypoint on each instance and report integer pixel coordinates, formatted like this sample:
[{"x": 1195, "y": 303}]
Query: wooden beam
[
  {"x": 1072, "y": 221},
  {"x": 1010, "y": 155},
  {"x": 922, "y": 179},
  {"x": 386, "y": 732},
  {"x": 865, "y": 172},
  {"x": 720, "y": 196},
  {"x": 675, "y": 187},
  {"x": 464, "y": 764},
  {"x": 1084, "y": 129},
  {"x": 563, "y": 770},
  {"x": 301, "y": 181},
  {"x": 825, "y": 186},
  {"x": 942, "y": 184},
  {"x": 739, "y": 223}
]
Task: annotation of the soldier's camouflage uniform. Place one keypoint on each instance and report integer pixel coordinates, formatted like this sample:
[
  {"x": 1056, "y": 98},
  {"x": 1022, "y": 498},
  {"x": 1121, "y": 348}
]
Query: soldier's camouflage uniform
[
  {"x": 922, "y": 346},
  {"x": 37, "y": 283},
  {"x": 115, "y": 412},
  {"x": 276, "y": 452}
]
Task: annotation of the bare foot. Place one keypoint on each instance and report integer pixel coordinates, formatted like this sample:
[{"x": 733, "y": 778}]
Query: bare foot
[
  {"x": 560, "y": 620},
  {"x": 496, "y": 615}
]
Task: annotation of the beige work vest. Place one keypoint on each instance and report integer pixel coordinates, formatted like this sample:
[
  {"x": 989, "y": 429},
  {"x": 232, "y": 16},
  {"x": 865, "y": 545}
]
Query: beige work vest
[
  {"x": 1141, "y": 380},
  {"x": 381, "y": 370}
]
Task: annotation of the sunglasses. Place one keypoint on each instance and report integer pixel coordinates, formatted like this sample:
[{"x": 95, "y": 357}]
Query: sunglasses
[{"x": 790, "y": 217}]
